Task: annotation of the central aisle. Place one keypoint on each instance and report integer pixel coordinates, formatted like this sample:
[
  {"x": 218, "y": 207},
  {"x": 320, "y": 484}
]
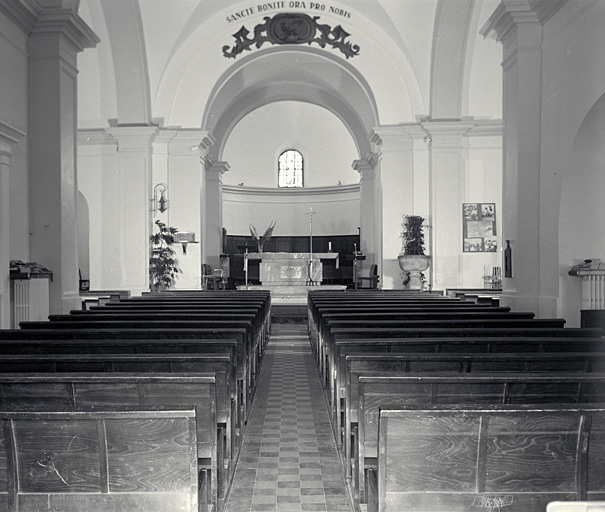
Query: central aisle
[{"x": 289, "y": 460}]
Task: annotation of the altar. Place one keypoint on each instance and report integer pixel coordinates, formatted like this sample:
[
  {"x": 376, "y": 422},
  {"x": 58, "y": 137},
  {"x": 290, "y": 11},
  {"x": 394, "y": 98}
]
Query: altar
[{"x": 291, "y": 269}]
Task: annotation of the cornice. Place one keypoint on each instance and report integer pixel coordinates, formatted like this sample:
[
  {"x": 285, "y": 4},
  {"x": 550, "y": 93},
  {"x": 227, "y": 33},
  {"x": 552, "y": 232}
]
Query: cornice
[
  {"x": 511, "y": 13},
  {"x": 67, "y": 23},
  {"x": 219, "y": 167},
  {"x": 487, "y": 128},
  {"x": 292, "y": 192},
  {"x": 24, "y": 13},
  {"x": 9, "y": 134}
]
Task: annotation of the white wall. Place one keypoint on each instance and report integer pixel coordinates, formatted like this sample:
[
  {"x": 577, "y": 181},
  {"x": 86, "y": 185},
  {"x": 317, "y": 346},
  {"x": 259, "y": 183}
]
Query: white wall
[
  {"x": 571, "y": 155},
  {"x": 336, "y": 210},
  {"x": 582, "y": 220},
  {"x": 14, "y": 98},
  {"x": 256, "y": 142}
]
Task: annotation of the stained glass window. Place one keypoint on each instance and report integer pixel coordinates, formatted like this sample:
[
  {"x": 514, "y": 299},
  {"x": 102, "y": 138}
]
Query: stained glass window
[{"x": 290, "y": 169}]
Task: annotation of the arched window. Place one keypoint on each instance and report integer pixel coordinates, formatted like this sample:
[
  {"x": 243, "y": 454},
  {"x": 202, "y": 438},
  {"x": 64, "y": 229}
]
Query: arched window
[{"x": 290, "y": 170}]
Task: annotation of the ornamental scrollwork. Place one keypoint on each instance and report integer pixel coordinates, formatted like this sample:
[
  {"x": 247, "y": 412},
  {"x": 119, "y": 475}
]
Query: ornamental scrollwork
[{"x": 286, "y": 28}]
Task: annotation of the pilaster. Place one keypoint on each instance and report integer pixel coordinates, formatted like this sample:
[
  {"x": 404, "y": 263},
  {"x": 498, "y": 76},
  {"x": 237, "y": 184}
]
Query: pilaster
[
  {"x": 214, "y": 211},
  {"x": 518, "y": 24},
  {"x": 56, "y": 38},
  {"x": 132, "y": 201},
  {"x": 448, "y": 146},
  {"x": 185, "y": 178},
  {"x": 9, "y": 136},
  {"x": 368, "y": 213},
  {"x": 402, "y": 166}
]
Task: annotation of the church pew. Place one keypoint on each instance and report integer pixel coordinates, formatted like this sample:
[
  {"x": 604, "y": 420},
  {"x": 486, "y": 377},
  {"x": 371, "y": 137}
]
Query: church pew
[
  {"x": 130, "y": 342},
  {"x": 323, "y": 353},
  {"x": 315, "y": 316},
  {"x": 200, "y": 297},
  {"x": 358, "y": 365},
  {"x": 218, "y": 364},
  {"x": 258, "y": 337},
  {"x": 247, "y": 365},
  {"x": 102, "y": 458},
  {"x": 461, "y": 347},
  {"x": 408, "y": 318},
  {"x": 35, "y": 390},
  {"x": 513, "y": 458},
  {"x": 378, "y": 391}
]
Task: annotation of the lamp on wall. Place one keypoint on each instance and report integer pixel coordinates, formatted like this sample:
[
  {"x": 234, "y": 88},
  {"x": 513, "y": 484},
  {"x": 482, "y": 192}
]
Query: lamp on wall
[{"x": 159, "y": 202}]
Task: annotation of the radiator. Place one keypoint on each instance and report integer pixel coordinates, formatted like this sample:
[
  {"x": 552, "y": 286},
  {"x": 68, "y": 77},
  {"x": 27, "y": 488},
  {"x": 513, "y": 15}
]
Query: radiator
[{"x": 30, "y": 300}]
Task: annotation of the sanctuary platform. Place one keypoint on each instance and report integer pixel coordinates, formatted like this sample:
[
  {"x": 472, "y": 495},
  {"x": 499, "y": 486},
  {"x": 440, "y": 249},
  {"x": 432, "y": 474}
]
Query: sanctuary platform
[{"x": 283, "y": 294}]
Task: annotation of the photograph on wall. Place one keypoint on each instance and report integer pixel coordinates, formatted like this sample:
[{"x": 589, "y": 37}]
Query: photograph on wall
[{"x": 479, "y": 227}]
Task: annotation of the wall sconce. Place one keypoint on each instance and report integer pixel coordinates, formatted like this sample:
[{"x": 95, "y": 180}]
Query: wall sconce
[
  {"x": 159, "y": 202},
  {"x": 184, "y": 238}
]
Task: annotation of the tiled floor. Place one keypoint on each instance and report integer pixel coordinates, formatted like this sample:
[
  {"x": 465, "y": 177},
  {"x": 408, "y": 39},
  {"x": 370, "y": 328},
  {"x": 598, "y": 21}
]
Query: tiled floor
[{"x": 289, "y": 460}]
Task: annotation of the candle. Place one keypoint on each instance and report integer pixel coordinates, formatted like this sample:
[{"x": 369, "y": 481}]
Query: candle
[{"x": 330, "y": 246}]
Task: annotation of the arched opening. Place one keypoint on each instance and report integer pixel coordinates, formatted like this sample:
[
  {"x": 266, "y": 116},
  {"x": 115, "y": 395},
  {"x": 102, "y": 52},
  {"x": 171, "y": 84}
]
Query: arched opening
[{"x": 582, "y": 213}]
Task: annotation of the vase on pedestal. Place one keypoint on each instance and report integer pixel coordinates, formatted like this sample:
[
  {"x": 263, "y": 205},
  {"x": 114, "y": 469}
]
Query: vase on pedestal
[{"x": 414, "y": 265}]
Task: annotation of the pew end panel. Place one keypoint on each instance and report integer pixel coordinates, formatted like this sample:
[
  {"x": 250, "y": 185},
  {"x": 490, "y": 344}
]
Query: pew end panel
[
  {"x": 500, "y": 457},
  {"x": 140, "y": 458}
]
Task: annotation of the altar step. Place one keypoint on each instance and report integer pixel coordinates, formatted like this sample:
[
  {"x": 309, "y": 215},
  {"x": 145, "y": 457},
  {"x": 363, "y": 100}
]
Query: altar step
[{"x": 293, "y": 295}]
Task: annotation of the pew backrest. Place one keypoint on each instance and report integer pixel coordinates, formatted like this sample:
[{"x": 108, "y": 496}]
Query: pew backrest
[
  {"x": 141, "y": 458},
  {"x": 492, "y": 458}
]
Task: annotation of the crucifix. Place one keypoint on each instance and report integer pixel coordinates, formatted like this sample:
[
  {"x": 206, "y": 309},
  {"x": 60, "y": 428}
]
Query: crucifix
[{"x": 310, "y": 270}]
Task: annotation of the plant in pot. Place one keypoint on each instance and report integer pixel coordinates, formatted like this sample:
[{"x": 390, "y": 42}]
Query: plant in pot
[
  {"x": 413, "y": 261},
  {"x": 163, "y": 266}
]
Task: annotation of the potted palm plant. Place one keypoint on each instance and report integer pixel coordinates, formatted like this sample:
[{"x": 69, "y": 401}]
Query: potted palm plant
[
  {"x": 163, "y": 266},
  {"x": 413, "y": 261}
]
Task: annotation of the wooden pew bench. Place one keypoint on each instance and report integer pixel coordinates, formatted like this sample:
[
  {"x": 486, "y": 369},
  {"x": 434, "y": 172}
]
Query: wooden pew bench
[
  {"x": 128, "y": 340},
  {"x": 461, "y": 346},
  {"x": 101, "y": 341},
  {"x": 248, "y": 321},
  {"x": 359, "y": 365},
  {"x": 105, "y": 458},
  {"x": 219, "y": 365},
  {"x": 324, "y": 355},
  {"x": 35, "y": 390},
  {"x": 434, "y": 317},
  {"x": 376, "y": 391},
  {"x": 508, "y": 458}
]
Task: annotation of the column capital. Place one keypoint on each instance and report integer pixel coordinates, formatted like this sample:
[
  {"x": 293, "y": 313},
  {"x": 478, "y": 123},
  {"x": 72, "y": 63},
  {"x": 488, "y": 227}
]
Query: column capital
[
  {"x": 218, "y": 169},
  {"x": 67, "y": 23},
  {"x": 190, "y": 141},
  {"x": 511, "y": 14},
  {"x": 447, "y": 133},
  {"x": 365, "y": 166},
  {"x": 134, "y": 138}
]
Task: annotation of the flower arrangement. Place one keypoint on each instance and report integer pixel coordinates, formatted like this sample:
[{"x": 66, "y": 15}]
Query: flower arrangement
[{"x": 260, "y": 240}]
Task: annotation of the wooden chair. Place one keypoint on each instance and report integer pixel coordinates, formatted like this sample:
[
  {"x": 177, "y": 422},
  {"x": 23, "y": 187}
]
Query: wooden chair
[
  {"x": 212, "y": 278},
  {"x": 371, "y": 280}
]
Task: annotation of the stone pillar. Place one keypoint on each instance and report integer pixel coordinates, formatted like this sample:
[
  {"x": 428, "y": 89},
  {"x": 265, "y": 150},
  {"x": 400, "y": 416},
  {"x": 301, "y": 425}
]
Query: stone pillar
[
  {"x": 185, "y": 179},
  {"x": 133, "y": 200},
  {"x": 448, "y": 147},
  {"x": 368, "y": 211},
  {"x": 56, "y": 39},
  {"x": 519, "y": 26},
  {"x": 8, "y": 137},
  {"x": 214, "y": 212}
]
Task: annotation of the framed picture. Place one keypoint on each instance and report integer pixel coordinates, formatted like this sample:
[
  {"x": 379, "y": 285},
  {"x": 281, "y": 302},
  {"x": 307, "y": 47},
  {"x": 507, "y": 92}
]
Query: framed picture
[{"x": 479, "y": 227}]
